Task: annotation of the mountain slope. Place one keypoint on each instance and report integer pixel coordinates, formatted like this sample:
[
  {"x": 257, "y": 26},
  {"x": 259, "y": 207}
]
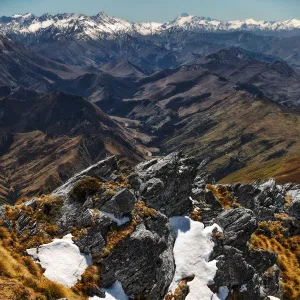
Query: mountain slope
[
  {"x": 46, "y": 138},
  {"x": 276, "y": 81},
  {"x": 193, "y": 109},
  {"x": 21, "y": 67}
]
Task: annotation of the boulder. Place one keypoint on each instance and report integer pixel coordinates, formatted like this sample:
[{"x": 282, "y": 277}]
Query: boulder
[
  {"x": 232, "y": 268},
  {"x": 120, "y": 204},
  {"x": 294, "y": 209},
  {"x": 93, "y": 240},
  {"x": 166, "y": 184},
  {"x": 238, "y": 226},
  {"x": 142, "y": 262}
]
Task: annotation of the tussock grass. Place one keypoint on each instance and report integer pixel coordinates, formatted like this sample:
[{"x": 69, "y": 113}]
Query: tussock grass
[
  {"x": 180, "y": 293},
  {"x": 84, "y": 188},
  {"x": 116, "y": 235},
  {"x": 24, "y": 277},
  {"x": 288, "y": 250},
  {"x": 196, "y": 215},
  {"x": 90, "y": 281},
  {"x": 224, "y": 196}
]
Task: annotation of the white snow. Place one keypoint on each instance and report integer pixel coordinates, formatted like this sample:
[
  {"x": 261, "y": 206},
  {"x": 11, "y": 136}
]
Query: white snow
[
  {"x": 116, "y": 292},
  {"x": 16, "y": 16},
  {"x": 95, "y": 26},
  {"x": 192, "y": 248},
  {"x": 273, "y": 298},
  {"x": 62, "y": 260},
  {"x": 119, "y": 222}
]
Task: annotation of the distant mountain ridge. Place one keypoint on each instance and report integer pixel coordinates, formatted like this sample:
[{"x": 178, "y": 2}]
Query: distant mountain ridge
[
  {"x": 90, "y": 41},
  {"x": 93, "y": 27}
]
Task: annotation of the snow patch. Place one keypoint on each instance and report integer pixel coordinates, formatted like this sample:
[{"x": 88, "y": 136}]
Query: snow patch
[
  {"x": 16, "y": 16},
  {"x": 116, "y": 292},
  {"x": 192, "y": 249},
  {"x": 119, "y": 222},
  {"x": 62, "y": 260},
  {"x": 273, "y": 298}
]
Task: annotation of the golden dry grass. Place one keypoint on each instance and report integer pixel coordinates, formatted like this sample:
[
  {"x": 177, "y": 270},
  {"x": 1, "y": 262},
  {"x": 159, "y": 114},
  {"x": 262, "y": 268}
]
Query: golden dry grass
[
  {"x": 288, "y": 250},
  {"x": 196, "y": 215},
  {"x": 180, "y": 293},
  {"x": 223, "y": 195},
  {"x": 21, "y": 278},
  {"x": 90, "y": 280},
  {"x": 115, "y": 236},
  {"x": 45, "y": 214}
]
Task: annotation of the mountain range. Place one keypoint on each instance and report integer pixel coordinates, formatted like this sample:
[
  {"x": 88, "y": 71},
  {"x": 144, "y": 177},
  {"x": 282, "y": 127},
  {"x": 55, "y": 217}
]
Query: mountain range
[
  {"x": 173, "y": 87},
  {"x": 124, "y": 146},
  {"x": 100, "y": 24},
  {"x": 89, "y": 41}
]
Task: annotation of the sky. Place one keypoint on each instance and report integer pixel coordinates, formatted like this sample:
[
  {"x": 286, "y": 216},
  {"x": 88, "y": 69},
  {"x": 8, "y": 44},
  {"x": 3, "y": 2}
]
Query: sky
[{"x": 160, "y": 10}]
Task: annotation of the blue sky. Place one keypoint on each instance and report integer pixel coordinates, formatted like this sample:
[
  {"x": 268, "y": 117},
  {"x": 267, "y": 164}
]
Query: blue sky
[{"x": 161, "y": 10}]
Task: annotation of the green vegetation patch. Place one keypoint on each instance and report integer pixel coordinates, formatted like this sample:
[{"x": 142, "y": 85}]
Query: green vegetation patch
[{"x": 84, "y": 188}]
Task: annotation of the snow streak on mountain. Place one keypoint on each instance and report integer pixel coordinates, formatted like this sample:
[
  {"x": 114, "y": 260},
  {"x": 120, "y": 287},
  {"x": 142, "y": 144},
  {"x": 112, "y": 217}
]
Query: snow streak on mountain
[{"x": 95, "y": 26}]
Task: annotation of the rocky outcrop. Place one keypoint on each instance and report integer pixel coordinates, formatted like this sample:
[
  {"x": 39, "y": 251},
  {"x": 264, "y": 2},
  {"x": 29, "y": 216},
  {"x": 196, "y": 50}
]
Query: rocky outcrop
[
  {"x": 92, "y": 241},
  {"x": 264, "y": 199},
  {"x": 120, "y": 204},
  {"x": 143, "y": 262},
  {"x": 165, "y": 184},
  {"x": 124, "y": 224},
  {"x": 238, "y": 225},
  {"x": 241, "y": 268}
]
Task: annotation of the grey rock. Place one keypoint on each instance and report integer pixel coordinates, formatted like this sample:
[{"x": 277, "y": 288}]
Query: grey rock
[
  {"x": 32, "y": 203},
  {"x": 70, "y": 213},
  {"x": 166, "y": 183},
  {"x": 238, "y": 225},
  {"x": 134, "y": 181},
  {"x": 93, "y": 241},
  {"x": 263, "y": 199},
  {"x": 246, "y": 194},
  {"x": 143, "y": 262},
  {"x": 261, "y": 259},
  {"x": 232, "y": 268},
  {"x": 294, "y": 209},
  {"x": 101, "y": 170},
  {"x": 271, "y": 282},
  {"x": 120, "y": 204},
  {"x": 85, "y": 219},
  {"x": 202, "y": 179}
]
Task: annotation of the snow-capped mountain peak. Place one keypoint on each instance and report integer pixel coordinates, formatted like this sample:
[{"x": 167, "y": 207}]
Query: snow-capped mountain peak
[
  {"x": 93, "y": 27},
  {"x": 22, "y": 16}
]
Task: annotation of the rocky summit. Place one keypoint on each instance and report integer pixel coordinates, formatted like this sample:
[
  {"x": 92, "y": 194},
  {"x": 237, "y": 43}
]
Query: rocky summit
[{"x": 160, "y": 230}]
